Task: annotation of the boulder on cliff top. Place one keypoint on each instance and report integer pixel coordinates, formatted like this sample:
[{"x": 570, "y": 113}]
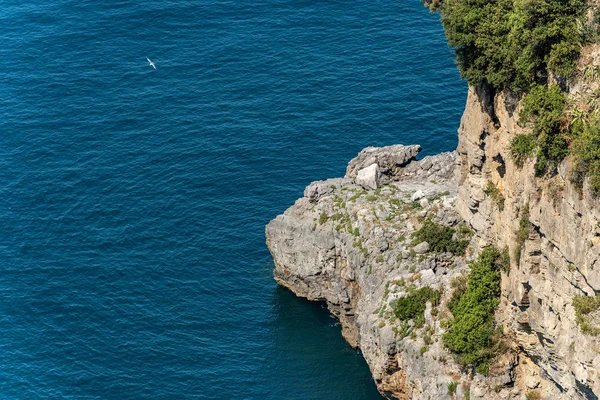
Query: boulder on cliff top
[
  {"x": 389, "y": 159},
  {"x": 368, "y": 177}
]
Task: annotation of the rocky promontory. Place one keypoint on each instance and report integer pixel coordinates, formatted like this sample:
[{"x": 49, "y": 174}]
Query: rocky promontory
[
  {"x": 473, "y": 274},
  {"x": 350, "y": 242}
]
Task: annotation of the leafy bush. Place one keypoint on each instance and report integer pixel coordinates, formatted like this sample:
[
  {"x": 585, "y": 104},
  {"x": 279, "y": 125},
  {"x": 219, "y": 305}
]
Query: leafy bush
[
  {"x": 522, "y": 233},
  {"x": 521, "y": 148},
  {"x": 586, "y": 147},
  {"x": 459, "y": 287},
  {"x": 585, "y": 305},
  {"x": 452, "y": 388},
  {"x": 511, "y": 44},
  {"x": 495, "y": 194},
  {"x": 440, "y": 238},
  {"x": 470, "y": 334},
  {"x": 413, "y": 305},
  {"x": 561, "y": 59},
  {"x": 543, "y": 107}
]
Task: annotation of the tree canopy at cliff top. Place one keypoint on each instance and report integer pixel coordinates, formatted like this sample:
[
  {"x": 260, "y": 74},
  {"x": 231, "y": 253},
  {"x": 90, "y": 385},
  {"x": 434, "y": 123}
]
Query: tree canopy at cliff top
[{"x": 512, "y": 43}]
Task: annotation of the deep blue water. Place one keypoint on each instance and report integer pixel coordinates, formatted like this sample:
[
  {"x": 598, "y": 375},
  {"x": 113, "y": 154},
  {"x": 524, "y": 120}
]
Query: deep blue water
[{"x": 133, "y": 201}]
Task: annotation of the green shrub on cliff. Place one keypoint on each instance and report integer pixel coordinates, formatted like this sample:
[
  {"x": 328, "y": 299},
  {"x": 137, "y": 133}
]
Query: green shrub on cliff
[
  {"x": 543, "y": 108},
  {"x": 521, "y": 148},
  {"x": 522, "y": 233},
  {"x": 512, "y": 43},
  {"x": 441, "y": 238},
  {"x": 470, "y": 334},
  {"x": 495, "y": 194},
  {"x": 586, "y": 147},
  {"x": 584, "y": 306},
  {"x": 412, "y": 306},
  {"x": 518, "y": 45},
  {"x": 323, "y": 218}
]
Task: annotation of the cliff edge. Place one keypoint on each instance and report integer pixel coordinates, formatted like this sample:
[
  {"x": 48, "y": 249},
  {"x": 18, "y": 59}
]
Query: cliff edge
[
  {"x": 354, "y": 243},
  {"x": 473, "y": 274}
]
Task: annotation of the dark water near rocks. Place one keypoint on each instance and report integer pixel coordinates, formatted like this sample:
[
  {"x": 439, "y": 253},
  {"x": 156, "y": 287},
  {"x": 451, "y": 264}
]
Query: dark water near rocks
[{"x": 133, "y": 201}]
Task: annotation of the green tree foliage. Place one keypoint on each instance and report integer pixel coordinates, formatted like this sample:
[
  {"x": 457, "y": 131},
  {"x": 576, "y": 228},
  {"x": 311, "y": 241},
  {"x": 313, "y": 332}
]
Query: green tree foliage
[
  {"x": 521, "y": 148},
  {"x": 544, "y": 107},
  {"x": 586, "y": 147},
  {"x": 470, "y": 334},
  {"x": 517, "y": 45},
  {"x": 441, "y": 238},
  {"x": 413, "y": 305},
  {"x": 512, "y": 43}
]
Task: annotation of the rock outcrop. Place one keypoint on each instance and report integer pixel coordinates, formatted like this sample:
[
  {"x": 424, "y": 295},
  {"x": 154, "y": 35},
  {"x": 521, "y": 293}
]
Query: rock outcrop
[
  {"x": 555, "y": 257},
  {"x": 348, "y": 242},
  {"x": 351, "y": 247}
]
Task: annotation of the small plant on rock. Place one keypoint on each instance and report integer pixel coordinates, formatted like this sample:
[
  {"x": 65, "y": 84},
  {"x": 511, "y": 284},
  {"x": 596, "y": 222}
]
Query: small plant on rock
[
  {"x": 533, "y": 395},
  {"x": 452, "y": 388},
  {"x": 323, "y": 218},
  {"x": 495, "y": 194},
  {"x": 522, "y": 233},
  {"x": 585, "y": 306},
  {"x": 440, "y": 238},
  {"x": 521, "y": 148}
]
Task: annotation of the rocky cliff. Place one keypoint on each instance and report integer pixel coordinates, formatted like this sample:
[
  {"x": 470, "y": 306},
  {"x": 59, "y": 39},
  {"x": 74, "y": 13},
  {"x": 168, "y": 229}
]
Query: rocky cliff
[
  {"x": 350, "y": 243},
  {"x": 552, "y": 228}
]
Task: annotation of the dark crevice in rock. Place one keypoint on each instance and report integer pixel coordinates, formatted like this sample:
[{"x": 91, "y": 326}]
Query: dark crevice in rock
[
  {"x": 524, "y": 303},
  {"x": 487, "y": 98},
  {"x": 524, "y": 327},
  {"x": 511, "y": 101},
  {"x": 545, "y": 375},
  {"x": 484, "y": 135},
  {"x": 585, "y": 390},
  {"x": 502, "y": 167}
]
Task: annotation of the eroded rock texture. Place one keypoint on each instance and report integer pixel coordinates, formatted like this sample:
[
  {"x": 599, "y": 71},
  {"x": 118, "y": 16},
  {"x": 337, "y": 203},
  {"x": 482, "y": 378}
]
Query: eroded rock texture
[
  {"x": 560, "y": 255},
  {"x": 351, "y": 247}
]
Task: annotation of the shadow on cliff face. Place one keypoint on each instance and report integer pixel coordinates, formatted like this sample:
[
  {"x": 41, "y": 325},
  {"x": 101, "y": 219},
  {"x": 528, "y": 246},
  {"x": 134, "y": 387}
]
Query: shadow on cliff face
[
  {"x": 308, "y": 338},
  {"x": 487, "y": 95}
]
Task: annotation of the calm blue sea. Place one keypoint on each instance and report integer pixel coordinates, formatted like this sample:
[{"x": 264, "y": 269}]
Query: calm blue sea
[{"x": 133, "y": 201}]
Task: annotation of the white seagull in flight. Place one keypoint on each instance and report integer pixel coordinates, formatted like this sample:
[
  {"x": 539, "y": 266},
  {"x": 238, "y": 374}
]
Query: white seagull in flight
[{"x": 151, "y": 63}]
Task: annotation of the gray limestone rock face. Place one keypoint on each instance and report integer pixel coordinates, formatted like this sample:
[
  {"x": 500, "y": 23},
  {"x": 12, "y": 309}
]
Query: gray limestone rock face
[
  {"x": 421, "y": 248},
  {"x": 349, "y": 246},
  {"x": 417, "y": 195},
  {"x": 368, "y": 177},
  {"x": 558, "y": 258},
  {"x": 389, "y": 159},
  {"x": 318, "y": 189}
]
